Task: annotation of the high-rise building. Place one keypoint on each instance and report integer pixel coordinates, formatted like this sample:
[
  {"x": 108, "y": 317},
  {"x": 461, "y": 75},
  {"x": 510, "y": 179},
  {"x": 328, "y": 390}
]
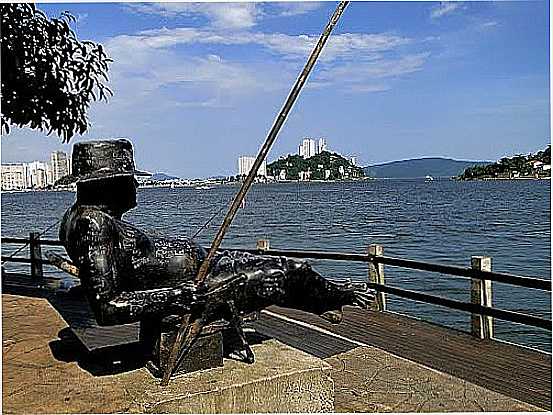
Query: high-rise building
[
  {"x": 60, "y": 165},
  {"x": 245, "y": 164},
  {"x": 321, "y": 145},
  {"x": 353, "y": 160},
  {"x": 49, "y": 174},
  {"x": 14, "y": 176},
  {"x": 312, "y": 148},
  {"x": 307, "y": 148},
  {"x": 37, "y": 176}
]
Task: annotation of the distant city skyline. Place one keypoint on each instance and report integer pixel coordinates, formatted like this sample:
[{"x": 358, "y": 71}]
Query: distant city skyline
[
  {"x": 196, "y": 85},
  {"x": 37, "y": 174}
]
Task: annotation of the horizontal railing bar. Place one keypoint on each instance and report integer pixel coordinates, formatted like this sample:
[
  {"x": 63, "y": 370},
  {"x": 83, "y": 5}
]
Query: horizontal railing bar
[
  {"x": 498, "y": 313},
  {"x": 527, "y": 282},
  {"x": 521, "y": 281},
  {"x": 51, "y": 242},
  {"x": 8, "y": 240},
  {"x": 23, "y": 260}
]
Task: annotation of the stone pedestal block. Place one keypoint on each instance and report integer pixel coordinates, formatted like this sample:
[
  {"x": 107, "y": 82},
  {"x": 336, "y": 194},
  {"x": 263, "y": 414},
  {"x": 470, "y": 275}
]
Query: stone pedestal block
[{"x": 282, "y": 379}]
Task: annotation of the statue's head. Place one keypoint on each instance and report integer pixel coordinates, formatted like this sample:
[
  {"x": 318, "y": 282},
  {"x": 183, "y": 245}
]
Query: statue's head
[{"x": 105, "y": 170}]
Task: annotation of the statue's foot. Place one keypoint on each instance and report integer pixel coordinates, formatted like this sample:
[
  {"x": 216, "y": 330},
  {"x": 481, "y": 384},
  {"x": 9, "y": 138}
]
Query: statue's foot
[
  {"x": 154, "y": 369},
  {"x": 245, "y": 355},
  {"x": 363, "y": 299},
  {"x": 333, "y": 316}
]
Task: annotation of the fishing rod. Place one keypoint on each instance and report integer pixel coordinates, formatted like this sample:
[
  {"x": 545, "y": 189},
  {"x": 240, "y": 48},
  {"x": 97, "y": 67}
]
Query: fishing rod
[{"x": 262, "y": 155}]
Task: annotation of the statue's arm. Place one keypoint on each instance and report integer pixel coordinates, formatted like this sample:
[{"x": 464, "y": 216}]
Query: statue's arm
[
  {"x": 101, "y": 279},
  {"x": 131, "y": 306}
]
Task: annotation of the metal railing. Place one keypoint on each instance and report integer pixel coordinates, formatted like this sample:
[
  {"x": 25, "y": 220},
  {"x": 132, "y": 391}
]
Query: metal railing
[{"x": 479, "y": 273}]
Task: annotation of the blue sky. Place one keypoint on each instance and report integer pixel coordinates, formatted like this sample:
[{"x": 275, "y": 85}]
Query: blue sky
[{"x": 198, "y": 84}]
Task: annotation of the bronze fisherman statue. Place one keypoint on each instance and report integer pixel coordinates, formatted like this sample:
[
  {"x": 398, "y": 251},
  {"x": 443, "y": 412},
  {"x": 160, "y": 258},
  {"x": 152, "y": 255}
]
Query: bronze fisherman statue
[{"x": 130, "y": 276}]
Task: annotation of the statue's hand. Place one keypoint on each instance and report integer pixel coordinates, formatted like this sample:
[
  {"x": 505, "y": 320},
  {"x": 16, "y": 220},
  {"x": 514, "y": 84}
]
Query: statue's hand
[
  {"x": 190, "y": 294},
  {"x": 272, "y": 284}
]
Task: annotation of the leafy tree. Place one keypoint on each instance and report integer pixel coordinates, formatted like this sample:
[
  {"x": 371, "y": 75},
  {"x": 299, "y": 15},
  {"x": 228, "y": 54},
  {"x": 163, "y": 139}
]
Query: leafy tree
[
  {"x": 544, "y": 156},
  {"x": 508, "y": 165},
  {"x": 49, "y": 77},
  {"x": 316, "y": 165}
]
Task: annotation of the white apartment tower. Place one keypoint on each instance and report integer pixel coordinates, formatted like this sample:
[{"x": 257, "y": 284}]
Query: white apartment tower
[
  {"x": 61, "y": 165},
  {"x": 14, "y": 176},
  {"x": 245, "y": 164},
  {"x": 309, "y": 147},
  {"x": 37, "y": 175},
  {"x": 321, "y": 145}
]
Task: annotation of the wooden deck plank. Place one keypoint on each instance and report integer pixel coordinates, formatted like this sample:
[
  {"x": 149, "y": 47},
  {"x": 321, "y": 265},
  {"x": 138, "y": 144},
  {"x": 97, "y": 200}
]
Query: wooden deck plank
[{"x": 312, "y": 342}]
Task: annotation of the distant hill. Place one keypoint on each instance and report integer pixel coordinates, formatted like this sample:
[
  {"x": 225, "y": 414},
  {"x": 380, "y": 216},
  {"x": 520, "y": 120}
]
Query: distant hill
[
  {"x": 429, "y": 166},
  {"x": 162, "y": 176}
]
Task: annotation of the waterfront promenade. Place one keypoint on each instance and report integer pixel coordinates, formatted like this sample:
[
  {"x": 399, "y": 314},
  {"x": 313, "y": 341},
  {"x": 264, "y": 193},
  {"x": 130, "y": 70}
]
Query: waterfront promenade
[{"x": 381, "y": 362}]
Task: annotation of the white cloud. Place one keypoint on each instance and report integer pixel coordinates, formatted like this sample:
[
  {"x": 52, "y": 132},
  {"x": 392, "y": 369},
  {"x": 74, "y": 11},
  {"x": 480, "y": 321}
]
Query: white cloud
[
  {"x": 373, "y": 76},
  {"x": 341, "y": 46},
  {"x": 220, "y": 15},
  {"x": 444, "y": 8},
  {"x": 240, "y": 15},
  {"x": 155, "y": 72},
  {"x": 297, "y": 7},
  {"x": 147, "y": 62}
]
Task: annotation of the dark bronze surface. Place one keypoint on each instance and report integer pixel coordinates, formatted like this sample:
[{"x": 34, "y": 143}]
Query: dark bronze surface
[
  {"x": 205, "y": 353},
  {"x": 131, "y": 276}
]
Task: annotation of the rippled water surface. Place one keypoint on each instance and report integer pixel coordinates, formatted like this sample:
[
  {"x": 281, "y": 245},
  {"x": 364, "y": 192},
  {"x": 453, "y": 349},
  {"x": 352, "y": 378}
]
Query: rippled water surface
[{"x": 442, "y": 221}]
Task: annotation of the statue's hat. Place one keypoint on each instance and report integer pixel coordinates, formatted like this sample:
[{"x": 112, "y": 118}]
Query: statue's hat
[{"x": 102, "y": 159}]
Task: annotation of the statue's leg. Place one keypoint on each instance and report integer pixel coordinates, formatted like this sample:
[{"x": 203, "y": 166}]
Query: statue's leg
[{"x": 242, "y": 349}]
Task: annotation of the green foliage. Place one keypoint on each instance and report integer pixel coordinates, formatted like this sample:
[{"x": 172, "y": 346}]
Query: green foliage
[
  {"x": 317, "y": 165},
  {"x": 507, "y": 166},
  {"x": 49, "y": 77},
  {"x": 544, "y": 156}
]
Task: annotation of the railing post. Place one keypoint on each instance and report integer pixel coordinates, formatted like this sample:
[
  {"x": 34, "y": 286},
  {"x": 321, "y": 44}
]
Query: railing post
[
  {"x": 263, "y": 244},
  {"x": 481, "y": 293},
  {"x": 376, "y": 275},
  {"x": 35, "y": 254}
]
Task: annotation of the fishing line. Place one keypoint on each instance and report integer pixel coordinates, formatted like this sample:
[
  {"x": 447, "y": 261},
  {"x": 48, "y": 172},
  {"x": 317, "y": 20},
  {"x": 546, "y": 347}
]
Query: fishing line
[{"x": 205, "y": 225}]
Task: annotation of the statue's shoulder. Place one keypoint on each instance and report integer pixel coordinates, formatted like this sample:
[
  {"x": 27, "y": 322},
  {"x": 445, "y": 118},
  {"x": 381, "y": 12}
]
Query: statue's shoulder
[
  {"x": 93, "y": 216},
  {"x": 83, "y": 220}
]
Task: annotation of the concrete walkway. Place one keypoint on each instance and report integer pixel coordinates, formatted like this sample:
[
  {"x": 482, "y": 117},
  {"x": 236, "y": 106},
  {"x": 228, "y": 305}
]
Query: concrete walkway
[{"x": 366, "y": 379}]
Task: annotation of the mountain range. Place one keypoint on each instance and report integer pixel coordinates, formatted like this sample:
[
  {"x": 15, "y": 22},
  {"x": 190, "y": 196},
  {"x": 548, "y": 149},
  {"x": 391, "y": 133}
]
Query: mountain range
[
  {"x": 160, "y": 177},
  {"x": 427, "y": 166}
]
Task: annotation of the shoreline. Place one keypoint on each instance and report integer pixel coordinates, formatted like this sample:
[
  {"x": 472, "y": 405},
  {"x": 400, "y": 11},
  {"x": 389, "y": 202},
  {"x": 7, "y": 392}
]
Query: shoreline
[
  {"x": 210, "y": 185},
  {"x": 502, "y": 178}
]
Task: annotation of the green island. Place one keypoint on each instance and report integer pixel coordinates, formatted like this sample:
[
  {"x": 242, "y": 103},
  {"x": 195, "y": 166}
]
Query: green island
[
  {"x": 323, "y": 166},
  {"x": 532, "y": 166}
]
